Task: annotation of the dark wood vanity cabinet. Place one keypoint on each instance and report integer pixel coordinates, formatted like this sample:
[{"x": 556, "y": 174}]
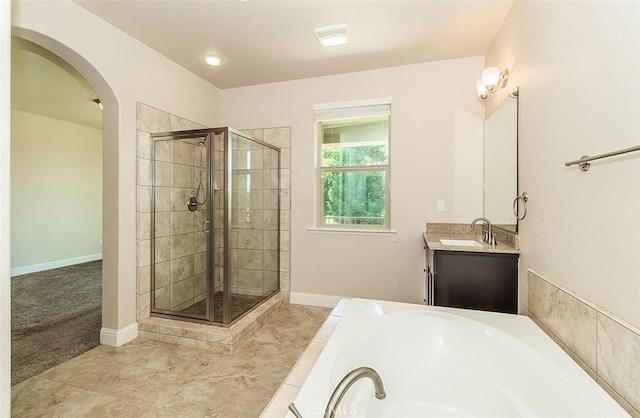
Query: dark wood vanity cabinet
[{"x": 473, "y": 280}]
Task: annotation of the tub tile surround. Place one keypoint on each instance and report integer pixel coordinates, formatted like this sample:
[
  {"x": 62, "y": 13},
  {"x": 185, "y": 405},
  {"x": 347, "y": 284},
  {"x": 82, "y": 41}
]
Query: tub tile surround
[
  {"x": 277, "y": 407},
  {"x": 161, "y": 379},
  {"x": 182, "y": 271},
  {"x": 605, "y": 346}
]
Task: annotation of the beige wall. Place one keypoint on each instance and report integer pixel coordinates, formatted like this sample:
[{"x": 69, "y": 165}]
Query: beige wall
[
  {"x": 122, "y": 71},
  {"x": 436, "y": 153},
  {"x": 56, "y": 190},
  {"x": 5, "y": 284},
  {"x": 578, "y": 65}
]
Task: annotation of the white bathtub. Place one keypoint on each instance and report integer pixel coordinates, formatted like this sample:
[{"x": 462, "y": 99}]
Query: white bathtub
[{"x": 442, "y": 362}]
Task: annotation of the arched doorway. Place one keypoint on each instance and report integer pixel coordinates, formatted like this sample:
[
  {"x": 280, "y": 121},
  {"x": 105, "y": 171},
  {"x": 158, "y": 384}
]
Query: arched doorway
[
  {"x": 56, "y": 211},
  {"x": 111, "y": 320}
]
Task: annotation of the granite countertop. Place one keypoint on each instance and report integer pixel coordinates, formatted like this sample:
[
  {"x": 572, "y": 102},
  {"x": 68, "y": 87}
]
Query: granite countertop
[{"x": 435, "y": 232}]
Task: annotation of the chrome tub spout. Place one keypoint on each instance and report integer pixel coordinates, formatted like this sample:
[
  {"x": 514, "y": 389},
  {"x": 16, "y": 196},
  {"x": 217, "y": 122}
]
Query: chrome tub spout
[{"x": 344, "y": 385}]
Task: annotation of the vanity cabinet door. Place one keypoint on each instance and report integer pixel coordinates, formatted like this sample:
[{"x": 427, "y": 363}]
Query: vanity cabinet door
[{"x": 481, "y": 281}]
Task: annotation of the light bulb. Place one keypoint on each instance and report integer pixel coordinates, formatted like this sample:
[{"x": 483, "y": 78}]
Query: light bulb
[
  {"x": 213, "y": 60},
  {"x": 481, "y": 91},
  {"x": 490, "y": 78}
]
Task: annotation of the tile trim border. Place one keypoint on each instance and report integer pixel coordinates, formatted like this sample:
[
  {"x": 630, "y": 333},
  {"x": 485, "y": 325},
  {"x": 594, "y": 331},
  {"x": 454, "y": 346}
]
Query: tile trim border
[
  {"x": 313, "y": 299},
  {"x": 118, "y": 337}
]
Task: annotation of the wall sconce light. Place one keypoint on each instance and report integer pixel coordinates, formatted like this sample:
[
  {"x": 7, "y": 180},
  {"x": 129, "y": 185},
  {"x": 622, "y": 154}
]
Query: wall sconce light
[
  {"x": 492, "y": 80},
  {"x": 99, "y": 103}
]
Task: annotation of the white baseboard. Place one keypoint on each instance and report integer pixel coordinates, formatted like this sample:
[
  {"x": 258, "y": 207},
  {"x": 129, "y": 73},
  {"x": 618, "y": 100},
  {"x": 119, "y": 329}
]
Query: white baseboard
[
  {"x": 34, "y": 268},
  {"x": 312, "y": 299},
  {"x": 118, "y": 337}
]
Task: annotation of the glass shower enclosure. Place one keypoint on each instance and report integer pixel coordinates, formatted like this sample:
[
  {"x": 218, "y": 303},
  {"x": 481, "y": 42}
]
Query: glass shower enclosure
[{"x": 214, "y": 224}]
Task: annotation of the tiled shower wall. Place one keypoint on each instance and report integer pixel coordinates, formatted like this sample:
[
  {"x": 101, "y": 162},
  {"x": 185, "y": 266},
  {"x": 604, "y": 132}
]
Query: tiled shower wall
[
  {"x": 605, "y": 346},
  {"x": 152, "y": 120}
]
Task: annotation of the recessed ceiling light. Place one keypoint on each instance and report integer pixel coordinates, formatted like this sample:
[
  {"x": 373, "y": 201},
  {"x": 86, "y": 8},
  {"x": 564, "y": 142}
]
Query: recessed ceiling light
[
  {"x": 333, "y": 35},
  {"x": 213, "y": 60}
]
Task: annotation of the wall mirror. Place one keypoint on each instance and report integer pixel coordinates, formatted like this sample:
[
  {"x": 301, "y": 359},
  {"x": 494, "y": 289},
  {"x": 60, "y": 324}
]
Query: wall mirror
[{"x": 501, "y": 163}]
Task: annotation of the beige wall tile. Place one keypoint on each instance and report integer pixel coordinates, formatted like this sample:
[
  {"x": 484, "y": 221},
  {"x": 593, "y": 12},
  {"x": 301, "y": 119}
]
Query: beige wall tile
[
  {"x": 182, "y": 245},
  {"x": 285, "y": 178},
  {"x": 181, "y": 176},
  {"x": 178, "y": 124},
  {"x": 144, "y": 172},
  {"x": 178, "y": 198},
  {"x": 285, "y": 158},
  {"x": 161, "y": 150},
  {"x": 161, "y": 174},
  {"x": 618, "y": 362},
  {"x": 575, "y": 324},
  {"x": 162, "y": 274},
  {"x": 616, "y": 396},
  {"x": 279, "y": 137},
  {"x": 182, "y": 222},
  {"x": 250, "y": 278},
  {"x": 199, "y": 286},
  {"x": 162, "y": 222},
  {"x": 162, "y": 199},
  {"x": 250, "y": 239},
  {"x": 144, "y": 279},
  {"x": 144, "y": 225},
  {"x": 144, "y": 253},
  {"x": 181, "y": 292},
  {"x": 182, "y": 153},
  {"x": 162, "y": 249},
  {"x": 541, "y": 295},
  {"x": 144, "y": 145},
  {"x": 144, "y": 198},
  {"x": 249, "y": 259},
  {"x": 152, "y": 120},
  {"x": 270, "y": 240},
  {"x": 285, "y": 260},
  {"x": 270, "y": 260},
  {"x": 200, "y": 263},
  {"x": 162, "y": 298},
  {"x": 144, "y": 309},
  {"x": 181, "y": 268}
]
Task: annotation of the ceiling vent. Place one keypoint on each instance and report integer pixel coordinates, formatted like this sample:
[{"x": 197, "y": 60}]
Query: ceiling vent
[{"x": 333, "y": 35}]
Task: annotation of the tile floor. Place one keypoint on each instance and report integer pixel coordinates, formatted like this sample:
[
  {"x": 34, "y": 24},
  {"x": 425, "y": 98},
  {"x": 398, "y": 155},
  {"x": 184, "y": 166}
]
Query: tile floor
[{"x": 148, "y": 378}]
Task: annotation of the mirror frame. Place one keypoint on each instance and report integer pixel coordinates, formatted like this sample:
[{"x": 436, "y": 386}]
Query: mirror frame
[{"x": 514, "y": 94}]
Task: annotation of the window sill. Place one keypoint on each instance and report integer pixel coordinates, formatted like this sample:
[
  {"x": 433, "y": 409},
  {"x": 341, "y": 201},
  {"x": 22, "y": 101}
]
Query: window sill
[{"x": 353, "y": 231}]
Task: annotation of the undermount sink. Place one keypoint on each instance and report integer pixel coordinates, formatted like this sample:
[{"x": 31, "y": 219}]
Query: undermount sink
[{"x": 461, "y": 242}]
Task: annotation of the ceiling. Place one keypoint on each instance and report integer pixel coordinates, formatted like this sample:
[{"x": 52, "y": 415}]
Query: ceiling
[
  {"x": 45, "y": 84},
  {"x": 262, "y": 41}
]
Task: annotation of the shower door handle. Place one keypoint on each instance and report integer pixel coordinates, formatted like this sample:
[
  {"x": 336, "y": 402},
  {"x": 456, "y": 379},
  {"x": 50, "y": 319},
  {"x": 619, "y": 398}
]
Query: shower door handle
[{"x": 204, "y": 227}]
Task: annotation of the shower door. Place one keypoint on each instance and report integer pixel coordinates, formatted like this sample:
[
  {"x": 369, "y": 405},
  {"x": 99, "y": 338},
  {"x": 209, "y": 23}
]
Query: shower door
[
  {"x": 215, "y": 224},
  {"x": 180, "y": 223}
]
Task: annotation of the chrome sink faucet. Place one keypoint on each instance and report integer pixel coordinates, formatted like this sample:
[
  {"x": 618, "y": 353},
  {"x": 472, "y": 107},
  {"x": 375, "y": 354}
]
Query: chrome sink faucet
[
  {"x": 489, "y": 238},
  {"x": 344, "y": 385}
]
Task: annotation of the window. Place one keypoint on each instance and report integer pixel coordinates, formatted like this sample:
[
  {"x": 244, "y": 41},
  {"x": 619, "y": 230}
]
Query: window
[{"x": 353, "y": 189}]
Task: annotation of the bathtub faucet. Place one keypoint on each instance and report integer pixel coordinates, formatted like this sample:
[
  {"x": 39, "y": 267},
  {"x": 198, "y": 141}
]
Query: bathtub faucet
[{"x": 344, "y": 385}]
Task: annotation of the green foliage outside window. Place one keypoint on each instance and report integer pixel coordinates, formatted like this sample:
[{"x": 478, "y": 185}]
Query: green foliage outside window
[{"x": 354, "y": 197}]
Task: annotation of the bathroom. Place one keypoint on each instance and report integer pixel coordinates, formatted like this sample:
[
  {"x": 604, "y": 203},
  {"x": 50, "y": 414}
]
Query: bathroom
[{"x": 578, "y": 95}]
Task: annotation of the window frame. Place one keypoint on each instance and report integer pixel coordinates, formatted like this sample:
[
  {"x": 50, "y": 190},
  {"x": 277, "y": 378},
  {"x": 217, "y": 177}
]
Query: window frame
[{"x": 321, "y": 171}]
